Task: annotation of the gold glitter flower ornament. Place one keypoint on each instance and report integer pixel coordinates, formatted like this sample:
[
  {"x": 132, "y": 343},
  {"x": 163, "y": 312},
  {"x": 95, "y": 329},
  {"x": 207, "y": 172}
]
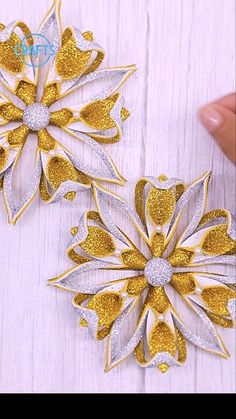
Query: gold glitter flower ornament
[
  {"x": 57, "y": 173},
  {"x": 157, "y": 279}
]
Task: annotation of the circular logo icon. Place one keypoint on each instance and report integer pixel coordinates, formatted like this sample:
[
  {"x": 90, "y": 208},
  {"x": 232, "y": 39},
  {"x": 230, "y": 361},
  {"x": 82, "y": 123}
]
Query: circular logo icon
[{"x": 38, "y": 53}]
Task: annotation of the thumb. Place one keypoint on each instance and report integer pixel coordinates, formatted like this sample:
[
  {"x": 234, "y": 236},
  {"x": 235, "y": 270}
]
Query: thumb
[{"x": 220, "y": 122}]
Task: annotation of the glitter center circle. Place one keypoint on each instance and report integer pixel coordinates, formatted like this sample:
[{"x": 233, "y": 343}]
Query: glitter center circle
[
  {"x": 158, "y": 272},
  {"x": 36, "y": 116}
]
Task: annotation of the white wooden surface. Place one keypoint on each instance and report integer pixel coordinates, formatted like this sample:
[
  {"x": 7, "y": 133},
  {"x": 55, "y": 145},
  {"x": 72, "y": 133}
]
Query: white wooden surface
[{"x": 185, "y": 52}]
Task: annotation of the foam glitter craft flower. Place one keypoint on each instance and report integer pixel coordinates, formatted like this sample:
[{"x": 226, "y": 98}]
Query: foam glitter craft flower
[
  {"x": 158, "y": 276},
  {"x": 58, "y": 173}
]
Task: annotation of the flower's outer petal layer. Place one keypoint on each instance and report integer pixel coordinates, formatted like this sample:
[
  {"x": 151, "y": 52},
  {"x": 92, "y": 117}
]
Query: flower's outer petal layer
[
  {"x": 214, "y": 344},
  {"x": 60, "y": 177},
  {"x": 103, "y": 197},
  {"x": 15, "y": 211},
  {"x": 50, "y": 24},
  {"x": 200, "y": 187},
  {"x": 111, "y": 174},
  {"x": 12, "y": 66},
  {"x": 107, "y": 301},
  {"x": 209, "y": 292}
]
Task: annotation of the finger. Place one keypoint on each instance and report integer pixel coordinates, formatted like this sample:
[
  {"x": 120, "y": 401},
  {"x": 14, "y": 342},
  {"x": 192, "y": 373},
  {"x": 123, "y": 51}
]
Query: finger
[
  {"x": 228, "y": 102},
  {"x": 220, "y": 122}
]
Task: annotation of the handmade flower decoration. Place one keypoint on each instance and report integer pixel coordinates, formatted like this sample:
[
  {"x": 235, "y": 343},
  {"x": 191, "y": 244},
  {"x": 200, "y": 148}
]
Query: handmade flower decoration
[
  {"x": 159, "y": 275},
  {"x": 58, "y": 173}
]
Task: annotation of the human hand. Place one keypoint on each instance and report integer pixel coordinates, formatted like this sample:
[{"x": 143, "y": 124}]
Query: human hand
[{"x": 219, "y": 118}]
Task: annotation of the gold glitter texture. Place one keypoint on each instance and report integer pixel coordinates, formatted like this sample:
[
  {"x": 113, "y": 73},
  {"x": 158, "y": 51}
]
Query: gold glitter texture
[
  {"x": 26, "y": 92},
  {"x": 71, "y": 62},
  {"x": 98, "y": 242},
  {"x": 221, "y": 321},
  {"x": 8, "y": 59},
  {"x": 216, "y": 299},
  {"x": 133, "y": 259},
  {"x": 50, "y": 95},
  {"x": 60, "y": 170},
  {"x": 136, "y": 285},
  {"x": 160, "y": 205},
  {"x": 18, "y": 136},
  {"x": 157, "y": 299},
  {"x": 161, "y": 339},
  {"x": 184, "y": 283},
  {"x": 157, "y": 245},
  {"x": 3, "y": 158},
  {"x": 61, "y": 118},
  {"x": 107, "y": 306},
  {"x": 45, "y": 141},
  {"x": 217, "y": 241},
  {"x": 182, "y": 350},
  {"x": 10, "y": 112},
  {"x": 180, "y": 257},
  {"x": 97, "y": 113},
  {"x": 76, "y": 258}
]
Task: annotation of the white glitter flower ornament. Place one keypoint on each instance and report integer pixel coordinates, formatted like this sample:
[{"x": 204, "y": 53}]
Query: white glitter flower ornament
[
  {"x": 57, "y": 173},
  {"x": 163, "y": 276}
]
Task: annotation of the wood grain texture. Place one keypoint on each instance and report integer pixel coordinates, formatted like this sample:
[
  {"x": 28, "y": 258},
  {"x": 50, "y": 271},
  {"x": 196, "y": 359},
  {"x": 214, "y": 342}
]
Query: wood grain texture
[{"x": 185, "y": 52}]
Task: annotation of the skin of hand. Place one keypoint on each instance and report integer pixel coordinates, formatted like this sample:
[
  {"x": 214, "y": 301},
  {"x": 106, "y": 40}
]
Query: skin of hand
[{"x": 219, "y": 118}]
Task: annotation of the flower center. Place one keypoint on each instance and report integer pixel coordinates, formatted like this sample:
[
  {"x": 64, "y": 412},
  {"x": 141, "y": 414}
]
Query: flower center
[
  {"x": 158, "y": 272},
  {"x": 36, "y": 116}
]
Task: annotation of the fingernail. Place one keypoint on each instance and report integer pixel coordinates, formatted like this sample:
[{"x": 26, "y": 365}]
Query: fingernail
[{"x": 211, "y": 118}]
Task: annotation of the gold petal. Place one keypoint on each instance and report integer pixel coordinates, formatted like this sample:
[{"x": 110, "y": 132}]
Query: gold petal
[
  {"x": 3, "y": 158},
  {"x": 50, "y": 95},
  {"x": 182, "y": 349},
  {"x": 125, "y": 114},
  {"x": 221, "y": 321},
  {"x": 60, "y": 170},
  {"x": 71, "y": 62},
  {"x": 158, "y": 299},
  {"x": 107, "y": 306},
  {"x": 160, "y": 205},
  {"x": 61, "y": 118},
  {"x": 26, "y": 92},
  {"x": 10, "y": 112},
  {"x": 45, "y": 141},
  {"x": 161, "y": 339},
  {"x": 75, "y": 257},
  {"x": 157, "y": 245},
  {"x": 217, "y": 241},
  {"x": 8, "y": 59},
  {"x": 18, "y": 136},
  {"x": 136, "y": 285},
  {"x": 139, "y": 352},
  {"x": 98, "y": 243},
  {"x": 133, "y": 259},
  {"x": 183, "y": 283},
  {"x": 180, "y": 257},
  {"x": 97, "y": 113},
  {"x": 216, "y": 299}
]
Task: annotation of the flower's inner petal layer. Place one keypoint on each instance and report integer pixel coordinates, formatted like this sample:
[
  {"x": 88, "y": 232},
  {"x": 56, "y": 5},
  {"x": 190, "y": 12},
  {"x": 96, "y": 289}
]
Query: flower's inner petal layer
[{"x": 8, "y": 111}]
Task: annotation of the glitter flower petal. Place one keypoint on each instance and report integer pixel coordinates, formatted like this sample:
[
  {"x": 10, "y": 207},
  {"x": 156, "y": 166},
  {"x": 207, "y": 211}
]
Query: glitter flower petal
[
  {"x": 161, "y": 334},
  {"x": 58, "y": 173}
]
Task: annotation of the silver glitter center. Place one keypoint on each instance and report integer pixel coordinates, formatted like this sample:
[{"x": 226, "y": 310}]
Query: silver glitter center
[
  {"x": 36, "y": 116},
  {"x": 158, "y": 272}
]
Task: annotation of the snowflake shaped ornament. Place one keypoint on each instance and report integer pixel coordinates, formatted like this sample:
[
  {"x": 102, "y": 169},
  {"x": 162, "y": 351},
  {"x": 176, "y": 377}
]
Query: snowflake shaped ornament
[
  {"x": 156, "y": 279},
  {"x": 57, "y": 173}
]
